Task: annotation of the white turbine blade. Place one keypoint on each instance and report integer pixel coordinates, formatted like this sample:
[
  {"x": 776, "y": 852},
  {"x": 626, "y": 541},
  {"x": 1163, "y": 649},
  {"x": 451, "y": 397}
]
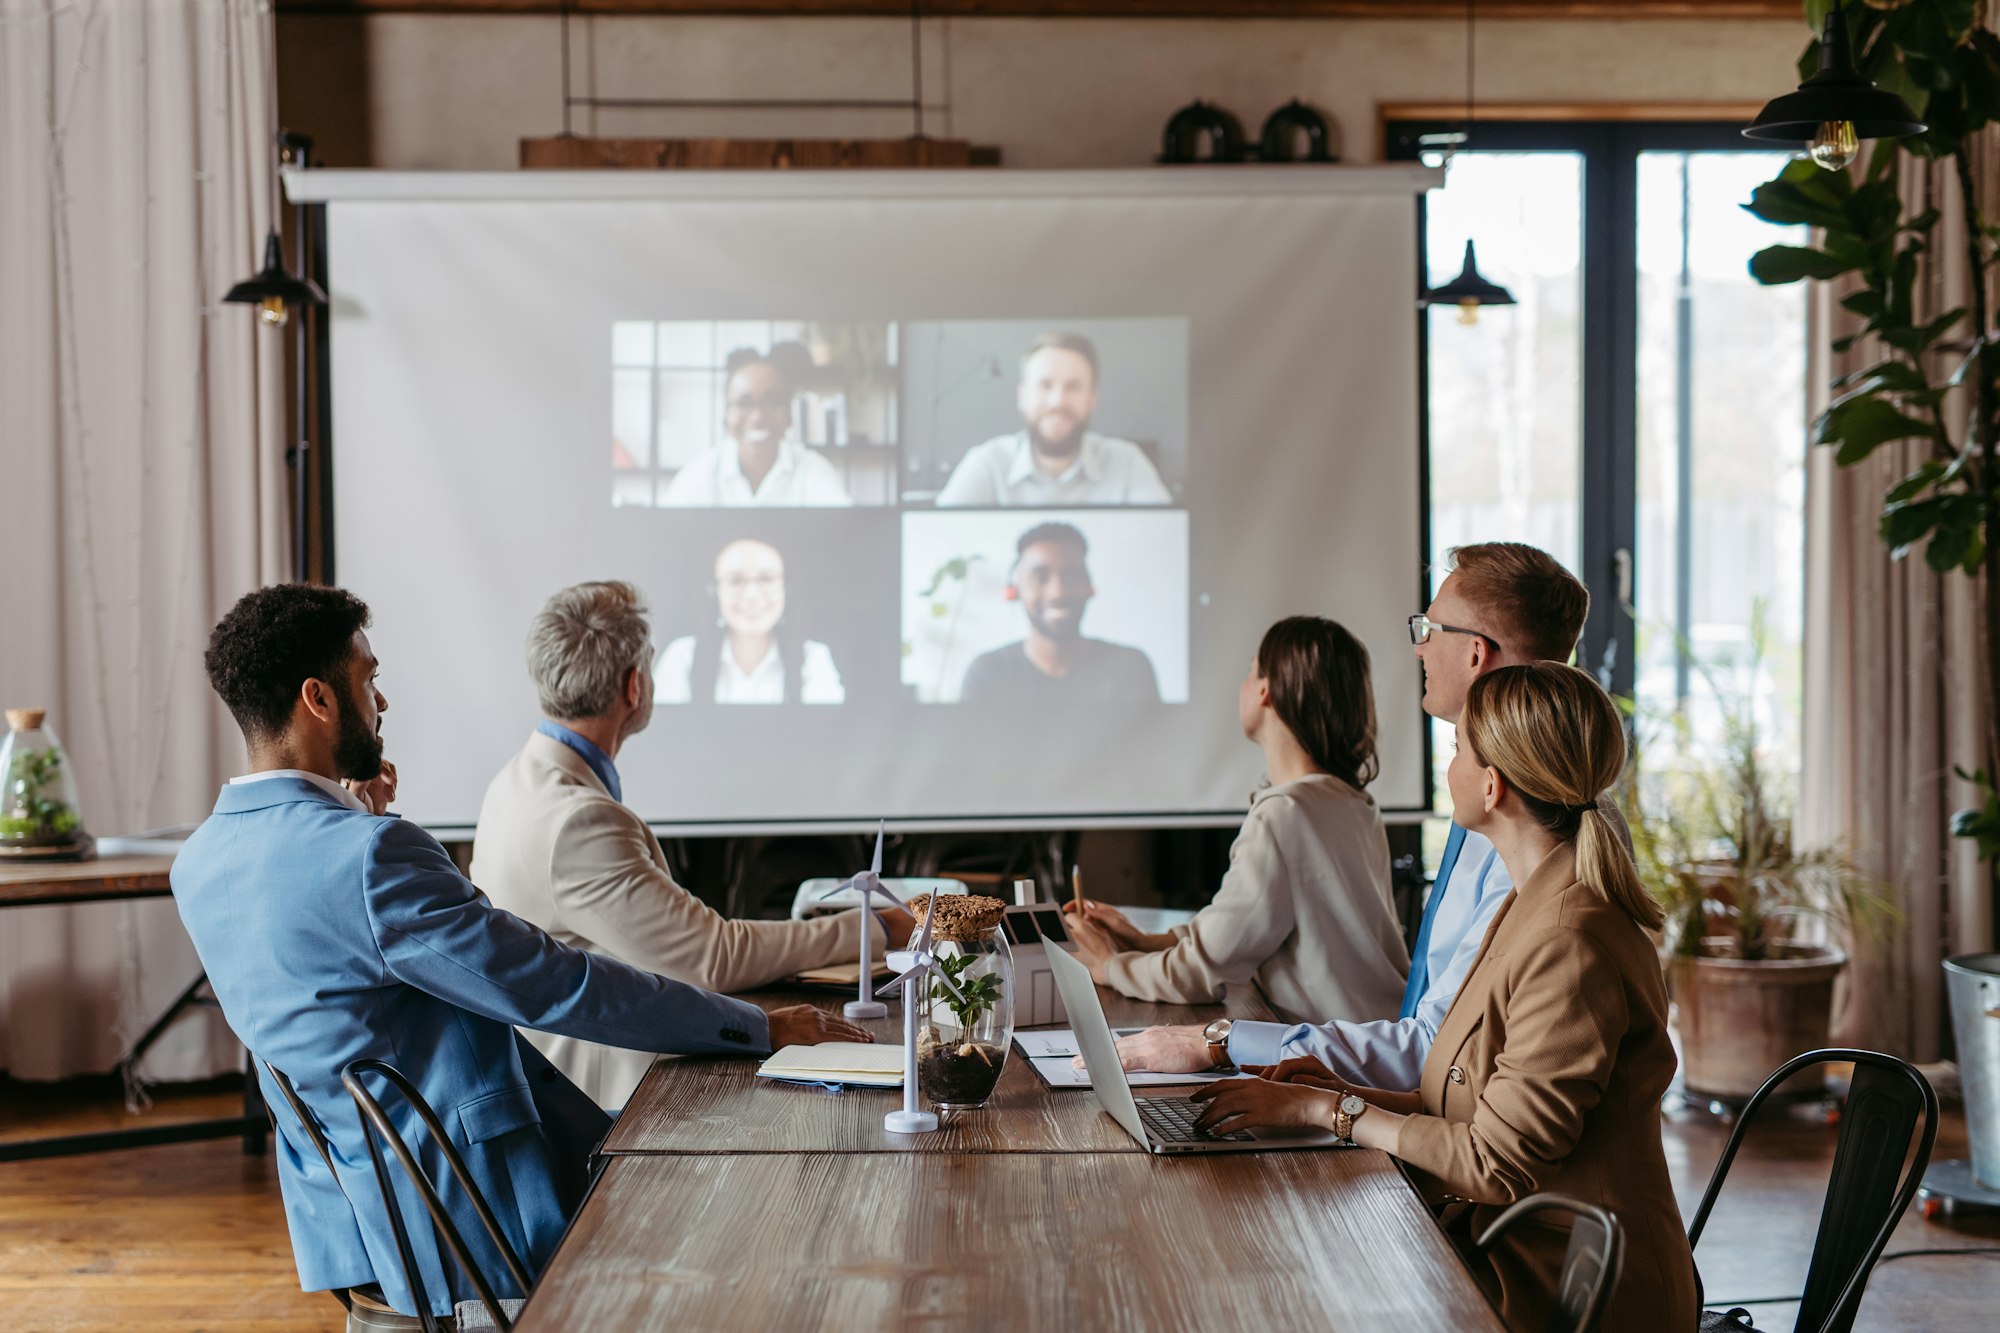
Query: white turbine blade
[
  {"x": 844, "y": 886},
  {"x": 875, "y": 867},
  {"x": 875, "y": 887},
  {"x": 922, "y": 945},
  {"x": 889, "y": 987}
]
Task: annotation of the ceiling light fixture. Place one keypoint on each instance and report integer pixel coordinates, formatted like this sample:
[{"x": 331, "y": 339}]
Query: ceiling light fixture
[{"x": 1834, "y": 110}]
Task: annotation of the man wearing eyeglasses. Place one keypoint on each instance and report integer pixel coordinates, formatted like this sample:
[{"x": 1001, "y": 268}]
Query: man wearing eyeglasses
[{"x": 1502, "y": 605}]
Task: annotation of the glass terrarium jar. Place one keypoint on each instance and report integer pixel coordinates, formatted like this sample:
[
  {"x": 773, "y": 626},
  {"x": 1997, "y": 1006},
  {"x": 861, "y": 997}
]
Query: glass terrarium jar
[
  {"x": 963, "y": 1039},
  {"x": 40, "y": 817}
]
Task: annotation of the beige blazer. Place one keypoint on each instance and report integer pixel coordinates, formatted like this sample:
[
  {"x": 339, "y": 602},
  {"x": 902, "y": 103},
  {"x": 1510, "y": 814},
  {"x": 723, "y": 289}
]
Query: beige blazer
[
  {"x": 1547, "y": 1075},
  {"x": 555, "y": 849},
  {"x": 1304, "y": 915}
]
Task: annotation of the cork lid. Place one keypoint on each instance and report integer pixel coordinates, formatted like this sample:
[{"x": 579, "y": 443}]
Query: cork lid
[
  {"x": 962, "y": 918},
  {"x": 26, "y": 719}
]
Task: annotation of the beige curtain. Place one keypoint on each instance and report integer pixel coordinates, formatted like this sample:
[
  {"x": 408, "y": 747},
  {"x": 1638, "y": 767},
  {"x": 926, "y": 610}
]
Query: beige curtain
[
  {"x": 142, "y": 487},
  {"x": 1895, "y": 692}
]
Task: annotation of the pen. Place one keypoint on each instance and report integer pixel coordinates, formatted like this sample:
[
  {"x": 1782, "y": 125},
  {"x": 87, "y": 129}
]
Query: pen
[{"x": 1076, "y": 887}]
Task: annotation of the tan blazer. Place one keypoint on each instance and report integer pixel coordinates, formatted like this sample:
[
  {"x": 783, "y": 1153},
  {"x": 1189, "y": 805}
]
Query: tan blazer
[
  {"x": 1547, "y": 1075},
  {"x": 555, "y": 849}
]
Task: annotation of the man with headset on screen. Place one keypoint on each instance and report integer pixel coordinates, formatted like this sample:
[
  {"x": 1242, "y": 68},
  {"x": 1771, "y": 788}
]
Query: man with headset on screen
[
  {"x": 1055, "y": 459},
  {"x": 1056, "y": 663}
]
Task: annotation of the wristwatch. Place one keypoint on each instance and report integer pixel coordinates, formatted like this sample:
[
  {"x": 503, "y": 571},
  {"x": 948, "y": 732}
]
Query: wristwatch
[
  {"x": 1216, "y": 1034},
  {"x": 1345, "y": 1115}
]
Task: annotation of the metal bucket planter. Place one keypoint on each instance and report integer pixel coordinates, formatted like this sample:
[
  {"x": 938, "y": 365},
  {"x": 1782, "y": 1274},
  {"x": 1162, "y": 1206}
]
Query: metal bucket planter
[
  {"x": 1973, "y": 981},
  {"x": 1739, "y": 1020}
]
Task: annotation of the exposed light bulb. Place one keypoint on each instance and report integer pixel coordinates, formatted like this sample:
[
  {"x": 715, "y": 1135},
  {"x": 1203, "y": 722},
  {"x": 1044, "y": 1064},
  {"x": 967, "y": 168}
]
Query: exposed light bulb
[
  {"x": 272, "y": 310},
  {"x": 1468, "y": 312},
  {"x": 1835, "y": 145}
]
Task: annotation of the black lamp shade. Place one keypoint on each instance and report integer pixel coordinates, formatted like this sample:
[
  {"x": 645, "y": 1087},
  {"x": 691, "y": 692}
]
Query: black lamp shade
[
  {"x": 1839, "y": 92},
  {"x": 274, "y": 282},
  {"x": 1469, "y": 287}
]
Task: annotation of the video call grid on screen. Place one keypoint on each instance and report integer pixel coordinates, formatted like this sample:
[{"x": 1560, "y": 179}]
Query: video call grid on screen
[{"x": 838, "y": 518}]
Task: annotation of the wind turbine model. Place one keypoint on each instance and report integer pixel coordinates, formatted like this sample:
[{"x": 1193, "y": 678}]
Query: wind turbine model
[
  {"x": 919, "y": 964},
  {"x": 866, "y": 882}
]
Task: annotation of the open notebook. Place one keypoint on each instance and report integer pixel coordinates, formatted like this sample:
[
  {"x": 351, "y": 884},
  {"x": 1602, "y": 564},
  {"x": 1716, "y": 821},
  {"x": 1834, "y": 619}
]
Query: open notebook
[{"x": 861, "y": 1064}]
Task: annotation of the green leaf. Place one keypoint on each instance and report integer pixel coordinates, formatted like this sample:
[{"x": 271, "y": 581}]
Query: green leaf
[
  {"x": 1779, "y": 264},
  {"x": 1910, "y": 487},
  {"x": 1948, "y": 545},
  {"x": 1858, "y": 424},
  {"x": 1904, "y": 525},
  {"x": 1788, "y": 203}
]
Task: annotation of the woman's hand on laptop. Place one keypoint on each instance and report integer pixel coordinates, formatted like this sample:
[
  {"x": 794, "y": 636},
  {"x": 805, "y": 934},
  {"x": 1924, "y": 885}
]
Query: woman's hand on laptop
[
  {"x": 809, "y": 1025},
  {"x": 1092, "y": 947},
  {"x": 1164, "y": 1050},
  {"x": 1242, "y": 1103}
]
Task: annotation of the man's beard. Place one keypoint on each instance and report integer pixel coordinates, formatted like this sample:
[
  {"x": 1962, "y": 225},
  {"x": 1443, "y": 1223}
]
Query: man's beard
[
  {"x": 1068, "y": 447},
  {"x": 357, "y": 752}
]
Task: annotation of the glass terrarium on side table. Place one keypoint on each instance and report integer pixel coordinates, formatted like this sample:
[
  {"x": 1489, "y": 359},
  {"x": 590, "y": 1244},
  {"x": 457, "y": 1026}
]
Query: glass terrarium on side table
[{"x": 40, "y": 817}]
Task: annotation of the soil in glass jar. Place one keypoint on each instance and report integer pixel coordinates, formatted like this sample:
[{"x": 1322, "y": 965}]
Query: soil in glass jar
[{"x": 959, "y": 1074}]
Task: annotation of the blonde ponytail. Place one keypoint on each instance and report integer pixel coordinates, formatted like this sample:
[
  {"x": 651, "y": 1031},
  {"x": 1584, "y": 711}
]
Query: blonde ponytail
[
  {"x": 1557, "y": 738},
  {"x": 1601, "y": 859}
]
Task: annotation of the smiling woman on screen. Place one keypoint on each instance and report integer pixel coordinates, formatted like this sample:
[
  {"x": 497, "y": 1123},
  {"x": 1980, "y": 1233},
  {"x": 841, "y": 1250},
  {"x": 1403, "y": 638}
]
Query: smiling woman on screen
[
  {"x": 748, "y": 657},
  {"x": 759, "y": 463}
]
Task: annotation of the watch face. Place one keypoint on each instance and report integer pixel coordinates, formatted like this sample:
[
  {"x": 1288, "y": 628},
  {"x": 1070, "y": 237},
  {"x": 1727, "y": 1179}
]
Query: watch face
[
  {"x": 1352, "y": 1105},
  {"x": 1218, "y": 1030}
]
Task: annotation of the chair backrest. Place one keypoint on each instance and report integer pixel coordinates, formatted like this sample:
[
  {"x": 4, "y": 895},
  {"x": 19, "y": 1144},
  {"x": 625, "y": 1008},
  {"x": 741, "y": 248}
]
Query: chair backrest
[
  {"x": 1591, "y": 1265},
  {"x": 373, "y": 1117},
  {"x": 1873, "y": 1180}
]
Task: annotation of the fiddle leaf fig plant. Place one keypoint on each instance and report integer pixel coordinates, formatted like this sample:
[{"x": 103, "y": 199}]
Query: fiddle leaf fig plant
[{"x": 1933, "y": 380}]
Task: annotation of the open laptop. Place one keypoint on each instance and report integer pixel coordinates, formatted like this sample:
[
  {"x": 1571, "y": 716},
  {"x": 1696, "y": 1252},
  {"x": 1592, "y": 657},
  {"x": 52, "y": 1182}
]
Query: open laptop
[{"x": 1160, "y": 1124}]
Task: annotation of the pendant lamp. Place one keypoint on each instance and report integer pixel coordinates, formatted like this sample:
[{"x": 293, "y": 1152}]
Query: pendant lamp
[
  {"x": 273, "y": 290},
  {"x": 1469, "y": 290},
  {"x": 1834, "y": 110}
]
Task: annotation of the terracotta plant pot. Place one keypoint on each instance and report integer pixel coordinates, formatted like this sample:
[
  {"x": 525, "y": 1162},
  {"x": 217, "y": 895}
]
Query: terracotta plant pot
[{"x": 1740, "y": 1020}]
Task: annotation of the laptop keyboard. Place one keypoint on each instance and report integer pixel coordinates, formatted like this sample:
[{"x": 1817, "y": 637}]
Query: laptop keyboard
[{"x": 1172, "y": 1121}]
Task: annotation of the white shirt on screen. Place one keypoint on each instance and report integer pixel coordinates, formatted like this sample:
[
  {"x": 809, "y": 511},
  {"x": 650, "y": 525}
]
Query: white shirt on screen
[
  {"x": 819, "y": 679},
  {"x": 714, "y": 479},
  {"x": 1002, "y": 471}
]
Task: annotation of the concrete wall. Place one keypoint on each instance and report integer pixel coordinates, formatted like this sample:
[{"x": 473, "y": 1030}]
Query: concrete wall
[{"x": 420, "y": 91}]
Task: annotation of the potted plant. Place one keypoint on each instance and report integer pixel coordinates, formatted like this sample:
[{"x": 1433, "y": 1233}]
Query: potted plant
[
  {"x": 1712, "y": 835},
  {"x": 964, "y": 1030},
  {"x": 39, "y": 816}
]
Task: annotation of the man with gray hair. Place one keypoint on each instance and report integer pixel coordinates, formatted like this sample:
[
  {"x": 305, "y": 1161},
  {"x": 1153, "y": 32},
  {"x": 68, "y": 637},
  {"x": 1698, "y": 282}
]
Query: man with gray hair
[
  {"x": 1055, "y": 458},
  {"x": 557, "y": 846}
]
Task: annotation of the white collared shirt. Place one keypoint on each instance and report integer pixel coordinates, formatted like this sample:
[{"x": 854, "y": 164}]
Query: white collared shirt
[
  {"x": 327, "y": 785},
  {"x": 819, "y": 679},
  {"x": 1002, "y": 471},
  {"x": 714, "y": 479}
]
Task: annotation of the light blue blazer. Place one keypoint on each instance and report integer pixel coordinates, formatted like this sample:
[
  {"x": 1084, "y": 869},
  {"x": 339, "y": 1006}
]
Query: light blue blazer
[{"x": 331, "y": 935}]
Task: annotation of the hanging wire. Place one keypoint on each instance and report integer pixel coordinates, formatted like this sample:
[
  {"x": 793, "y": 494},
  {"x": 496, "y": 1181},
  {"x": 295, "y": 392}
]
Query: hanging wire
[{"x": 917, "y": 63}]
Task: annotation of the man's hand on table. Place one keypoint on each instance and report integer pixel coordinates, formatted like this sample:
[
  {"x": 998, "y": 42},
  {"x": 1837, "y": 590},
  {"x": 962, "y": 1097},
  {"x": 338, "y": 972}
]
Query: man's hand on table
[
  {"x": 809, "y": 1025},
  {"x": 1164, "y": 1050}
]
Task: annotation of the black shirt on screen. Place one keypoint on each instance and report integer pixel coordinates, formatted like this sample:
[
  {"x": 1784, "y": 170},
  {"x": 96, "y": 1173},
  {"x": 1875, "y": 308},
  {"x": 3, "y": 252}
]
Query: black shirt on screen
[{"x": 1100, "y": 673}]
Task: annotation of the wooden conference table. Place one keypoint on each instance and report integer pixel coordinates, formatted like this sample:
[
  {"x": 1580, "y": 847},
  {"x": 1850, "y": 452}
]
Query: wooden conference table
[{"x": 733, "y": 1203}]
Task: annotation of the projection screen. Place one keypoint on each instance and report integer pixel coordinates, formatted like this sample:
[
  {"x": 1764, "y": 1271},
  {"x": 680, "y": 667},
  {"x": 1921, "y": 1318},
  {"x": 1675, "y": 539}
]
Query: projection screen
[{"x": 957, "y": 498}]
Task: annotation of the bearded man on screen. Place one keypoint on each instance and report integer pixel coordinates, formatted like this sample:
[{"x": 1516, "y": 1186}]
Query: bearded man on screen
[{"x": 1055, "y": 458}]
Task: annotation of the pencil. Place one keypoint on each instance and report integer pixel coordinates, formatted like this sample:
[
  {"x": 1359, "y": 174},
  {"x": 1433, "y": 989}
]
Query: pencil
[{"x": 1076, "y": 887}]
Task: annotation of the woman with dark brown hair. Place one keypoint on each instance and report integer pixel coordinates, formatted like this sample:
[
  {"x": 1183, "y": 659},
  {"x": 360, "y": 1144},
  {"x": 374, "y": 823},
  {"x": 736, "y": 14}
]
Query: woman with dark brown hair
[{"x": 1304, "y": 913}]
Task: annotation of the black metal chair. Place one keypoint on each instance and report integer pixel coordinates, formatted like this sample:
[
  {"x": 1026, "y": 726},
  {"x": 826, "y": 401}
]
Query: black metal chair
[
  {"x": 1591, "y": 1265},
  {"x": 1865, "y": 1194},
  {"x": 376, "y": 1120}
]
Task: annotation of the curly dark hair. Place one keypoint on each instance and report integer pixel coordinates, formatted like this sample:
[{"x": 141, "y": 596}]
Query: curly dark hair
[{"x": 272, "y": 642}]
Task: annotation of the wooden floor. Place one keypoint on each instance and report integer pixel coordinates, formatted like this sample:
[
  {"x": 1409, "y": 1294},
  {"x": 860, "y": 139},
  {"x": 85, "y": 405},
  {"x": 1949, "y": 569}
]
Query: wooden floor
[{"x": 191, "y": 1236}]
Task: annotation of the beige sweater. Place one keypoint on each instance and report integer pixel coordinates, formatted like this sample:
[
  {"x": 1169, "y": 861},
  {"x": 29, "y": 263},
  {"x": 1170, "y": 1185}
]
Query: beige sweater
[
  {"x": 1304, "y": 914},
  {"x": 555, "y": 849}
]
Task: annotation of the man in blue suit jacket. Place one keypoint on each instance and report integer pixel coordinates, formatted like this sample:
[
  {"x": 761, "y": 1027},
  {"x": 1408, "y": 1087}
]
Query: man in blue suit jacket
[{"x": 332, "y": 932}]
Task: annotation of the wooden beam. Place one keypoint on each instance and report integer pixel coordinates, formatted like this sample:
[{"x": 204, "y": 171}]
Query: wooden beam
[
  {"x": 1640, "y": 112},
  {"x": 574, "y": 153},
  {"x": 1098, "y": 9}
]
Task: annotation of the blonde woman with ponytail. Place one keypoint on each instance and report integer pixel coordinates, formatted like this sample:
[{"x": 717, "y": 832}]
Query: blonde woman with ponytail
[{"x": 1547, "y": 1073}]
